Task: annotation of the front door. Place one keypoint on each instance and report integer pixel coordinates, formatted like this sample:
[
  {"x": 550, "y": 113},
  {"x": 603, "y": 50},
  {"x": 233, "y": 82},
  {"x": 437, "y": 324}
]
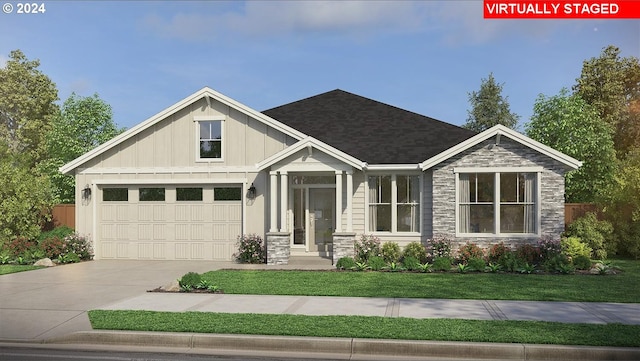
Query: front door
[
  {"x": 322, "y": 203},
  {"x": 313, "y": 218}
]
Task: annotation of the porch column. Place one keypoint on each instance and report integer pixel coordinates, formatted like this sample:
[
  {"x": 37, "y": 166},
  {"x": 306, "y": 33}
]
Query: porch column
[
  {"x": 273, "y": 227},
  {"x": 339, "y": 201},
  {"x": 284, "y": 182},
  {"x": 349, "y": 201}
]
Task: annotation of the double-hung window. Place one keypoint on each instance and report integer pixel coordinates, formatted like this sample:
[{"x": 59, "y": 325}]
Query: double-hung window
[
  {"x": 210, "y": 138},
  {"x": 394, "y": 203},
  {"x": 497, "y": 203}
]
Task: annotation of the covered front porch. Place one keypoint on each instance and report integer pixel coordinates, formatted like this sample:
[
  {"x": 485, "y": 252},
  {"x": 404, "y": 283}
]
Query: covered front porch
[{"x": 310, "y": 203}]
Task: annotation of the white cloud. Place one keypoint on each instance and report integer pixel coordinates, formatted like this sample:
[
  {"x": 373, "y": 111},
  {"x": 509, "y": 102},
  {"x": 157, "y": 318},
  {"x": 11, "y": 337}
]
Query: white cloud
[
  {"x": 455, "y": 21},
  {"x": 3, "y": 61},
  {"x": 269, "y": 18}
]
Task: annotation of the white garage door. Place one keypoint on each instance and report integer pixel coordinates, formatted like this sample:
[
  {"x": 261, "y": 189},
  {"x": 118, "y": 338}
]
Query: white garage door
[{"x": 169, "y": 222}]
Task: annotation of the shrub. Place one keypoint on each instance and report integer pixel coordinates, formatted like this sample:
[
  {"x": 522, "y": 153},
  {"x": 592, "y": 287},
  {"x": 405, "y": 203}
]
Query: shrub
[
  {"x": 251, "y": 249},
  {"x": 376, "y": 263},
  {"x": 190, "y": 281},
  {"x": 510, "y": 263},
  {"x": 69, "y": 257},
  {"x": 345, "y": 263},
  {"x": 52, "y": 247},
  {"x": 442, "y": 264},
  {"x": 527, "y": 253},
  {"x": 18, "y": 246},
  {"x": 391, "y": 252},
  {"x": 366, "y": 247},
  {"x": 582, "y": 262},
  {"x": 79, "y": 245},
  {"x": 58, "y": 232},
  {"x": 469, "y": 251},
  {"x": 557, "y": 263},
  {"x": 440, "y": 246},
  {"x": 415, "y": 250},
  {"x": 497, "y": 252},
  {"x": 549, "y": 247},
  {"x": 573, "y": 247},
  {"x": 411, "y": 263},
  {"x": 476, "y": 264},
  {"x": 596, "y": 234}
]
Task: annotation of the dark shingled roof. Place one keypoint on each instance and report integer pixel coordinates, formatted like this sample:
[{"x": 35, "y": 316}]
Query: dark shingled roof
[{"x": 371, "y": 131}]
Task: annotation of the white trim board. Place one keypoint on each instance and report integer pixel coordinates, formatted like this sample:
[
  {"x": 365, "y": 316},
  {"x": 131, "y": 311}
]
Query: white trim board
[{"x": 499, "y": 130}]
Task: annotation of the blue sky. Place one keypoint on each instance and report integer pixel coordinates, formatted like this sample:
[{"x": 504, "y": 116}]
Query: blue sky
[{"x": 424, "y": 56}]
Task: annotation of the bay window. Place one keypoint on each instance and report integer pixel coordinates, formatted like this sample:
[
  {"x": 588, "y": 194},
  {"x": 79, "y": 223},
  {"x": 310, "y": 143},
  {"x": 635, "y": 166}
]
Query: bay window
[
  {"x": 497, "y": 203},
  {"x": 394, "y": 203}
]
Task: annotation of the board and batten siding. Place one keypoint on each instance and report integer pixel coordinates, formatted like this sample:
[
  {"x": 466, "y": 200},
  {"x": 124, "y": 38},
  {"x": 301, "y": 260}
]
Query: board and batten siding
[{"x": 172, "y": 142}]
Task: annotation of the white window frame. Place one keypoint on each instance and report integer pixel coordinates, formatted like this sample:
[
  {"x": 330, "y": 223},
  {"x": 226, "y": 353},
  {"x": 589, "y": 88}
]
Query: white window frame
[
  {"x": 394, "y": 204},
  {"x": 496, "y": 202},
  {"x": 210, "y": 118}
]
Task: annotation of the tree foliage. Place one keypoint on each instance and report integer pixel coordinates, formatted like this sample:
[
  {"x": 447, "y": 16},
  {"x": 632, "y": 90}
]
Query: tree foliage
[
  {"x": 27, "y": 106},
  {"x": 568, "y": 124},
  {"x": 83, "y": 124},
  {"x": 621, "y": 205},
  {"x": 489, "y": 107},
  {"x": 25, "y": 198},
  {"x": 612, "y": 85}
]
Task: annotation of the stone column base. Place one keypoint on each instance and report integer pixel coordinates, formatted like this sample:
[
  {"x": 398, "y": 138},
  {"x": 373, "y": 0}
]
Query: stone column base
[
  {"x": 343, "y": 243},
  {"x": 278, "y": 248}
]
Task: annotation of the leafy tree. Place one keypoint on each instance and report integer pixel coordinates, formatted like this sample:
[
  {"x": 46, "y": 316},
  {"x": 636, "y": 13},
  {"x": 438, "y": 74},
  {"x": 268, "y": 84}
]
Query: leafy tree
[
  {"x": 568, "y": 124},
  {"x": 621, "y": 205},
  {"x": 25, "y": 199},
  {"x": 27, "y": 106},
  {"x": 489, "y": 107},
  {"x": 612, "y": 85},
  {"x": 83, "y": 124}
]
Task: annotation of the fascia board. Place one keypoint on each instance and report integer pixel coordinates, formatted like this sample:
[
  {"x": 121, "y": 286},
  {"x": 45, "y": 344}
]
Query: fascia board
[
  {"x": 314, "y": 143},
  {"x": 510, "y": 133}
]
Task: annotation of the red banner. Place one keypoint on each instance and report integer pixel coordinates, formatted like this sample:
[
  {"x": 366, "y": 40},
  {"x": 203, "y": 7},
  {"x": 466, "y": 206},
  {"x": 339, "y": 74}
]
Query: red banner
[{"x": 518, "y": 9}]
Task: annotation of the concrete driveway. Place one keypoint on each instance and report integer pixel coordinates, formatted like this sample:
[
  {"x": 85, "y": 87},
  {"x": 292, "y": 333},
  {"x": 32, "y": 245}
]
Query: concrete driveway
[{"x": 51, "y": 302}]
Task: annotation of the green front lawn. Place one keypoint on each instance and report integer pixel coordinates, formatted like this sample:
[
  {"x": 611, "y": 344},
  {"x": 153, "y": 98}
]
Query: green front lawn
[
  {"x": 612, "y": 288},
  {"x": 370, "y": 327},
  {"x": 485, "y": 286},
  {"x": 11, "y": 268}
]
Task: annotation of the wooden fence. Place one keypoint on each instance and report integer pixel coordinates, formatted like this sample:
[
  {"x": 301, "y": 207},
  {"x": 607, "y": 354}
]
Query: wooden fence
[
  {"x": 573, "y": 211},
  {"x": 63, "y": 215}
]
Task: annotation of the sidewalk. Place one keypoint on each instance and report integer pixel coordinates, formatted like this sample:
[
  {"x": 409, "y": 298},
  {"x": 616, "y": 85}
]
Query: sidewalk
[{"x": 567, "y": 312}]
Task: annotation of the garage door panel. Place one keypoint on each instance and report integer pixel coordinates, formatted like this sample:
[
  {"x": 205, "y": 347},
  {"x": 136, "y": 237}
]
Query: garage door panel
[{"x": 181, "y": 229}]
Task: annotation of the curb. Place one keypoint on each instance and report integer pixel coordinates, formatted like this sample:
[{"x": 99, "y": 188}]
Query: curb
[{"x": 351, "y": 348}]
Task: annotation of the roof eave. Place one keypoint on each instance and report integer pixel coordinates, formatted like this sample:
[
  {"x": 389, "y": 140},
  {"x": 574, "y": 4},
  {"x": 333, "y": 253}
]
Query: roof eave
[
  {"x": 315, "y": 143},
  {"x": 568, "y": 161}
]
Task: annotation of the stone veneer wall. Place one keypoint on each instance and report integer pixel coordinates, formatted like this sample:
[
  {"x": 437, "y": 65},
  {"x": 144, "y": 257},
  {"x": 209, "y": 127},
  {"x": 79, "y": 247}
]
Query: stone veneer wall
[
  {"x": 278, "y": 248},
  {"x": 343, "y": 245},
  {"x": 507, "y": 154}
]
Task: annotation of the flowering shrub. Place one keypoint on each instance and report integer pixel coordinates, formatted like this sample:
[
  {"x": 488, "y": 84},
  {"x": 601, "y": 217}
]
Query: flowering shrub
[
  {"x": 527, "y": 253},
  {"x": 367, "y": 247},
  {"x": 78, "y": 245},
  {"x": 498, "y": 252},
  {"x": 549, "y": 248},
  {"x": 440, "y": 246},
  {"x": 18, "y": 246},
  {"x": 469, "y": 251},
  {"x": 251, "y": 249},
  {"x": 53, "y": 247}
]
